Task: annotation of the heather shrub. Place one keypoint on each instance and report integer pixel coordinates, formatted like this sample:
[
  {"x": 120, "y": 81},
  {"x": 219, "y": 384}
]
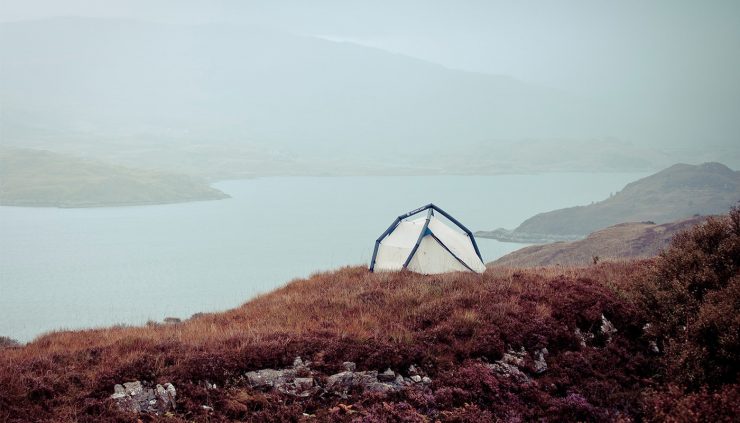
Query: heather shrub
[
  {"x": 692, "y": 295},
  {"x": 722, "y": 405}
]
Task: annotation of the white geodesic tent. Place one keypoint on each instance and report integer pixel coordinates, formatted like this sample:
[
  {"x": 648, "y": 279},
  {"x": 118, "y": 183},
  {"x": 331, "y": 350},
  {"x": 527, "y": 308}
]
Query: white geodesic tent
[{"x": 426, "y": 245}]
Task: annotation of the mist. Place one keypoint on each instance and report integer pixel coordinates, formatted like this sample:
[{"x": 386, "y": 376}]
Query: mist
[{"x": 351, "y": 80}]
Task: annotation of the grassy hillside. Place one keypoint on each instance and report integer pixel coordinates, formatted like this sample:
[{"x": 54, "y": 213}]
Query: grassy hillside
[
  {"x": 677, "y": 192},
  {"x": 652, "y": 340},
  {"x": 41, "y": 178},
  {"x": 623, "y": 241}
]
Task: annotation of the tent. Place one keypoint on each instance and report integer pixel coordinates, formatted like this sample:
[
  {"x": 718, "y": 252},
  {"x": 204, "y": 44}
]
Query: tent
[{"x": 426, "y": 245}]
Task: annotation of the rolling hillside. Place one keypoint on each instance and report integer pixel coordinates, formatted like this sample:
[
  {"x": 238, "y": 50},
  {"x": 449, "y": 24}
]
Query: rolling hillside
[
  {"x": 560, "y": 344},
  {"x": 677, "y": 192},
  {"x": 622, "y": 241},
  {"x": 44, "y": 179}
]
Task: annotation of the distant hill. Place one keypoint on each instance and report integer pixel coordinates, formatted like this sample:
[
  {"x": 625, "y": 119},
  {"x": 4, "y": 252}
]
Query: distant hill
[
  {"x": 233, "y": 100},
  {"x": 41, "y": 178},
  {"x": 625, "y": 240},
  {"x": 677, "y": 192}
]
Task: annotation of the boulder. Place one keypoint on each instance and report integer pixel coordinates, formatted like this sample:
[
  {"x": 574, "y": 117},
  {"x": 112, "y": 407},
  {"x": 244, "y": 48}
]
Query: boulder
[
  {"x": 270, "y": 378},
  {"x": 134, "y": 397}
]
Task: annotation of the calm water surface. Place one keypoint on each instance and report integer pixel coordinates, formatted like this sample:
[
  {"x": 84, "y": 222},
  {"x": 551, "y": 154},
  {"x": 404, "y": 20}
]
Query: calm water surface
[{"x": 76, "y": 268}]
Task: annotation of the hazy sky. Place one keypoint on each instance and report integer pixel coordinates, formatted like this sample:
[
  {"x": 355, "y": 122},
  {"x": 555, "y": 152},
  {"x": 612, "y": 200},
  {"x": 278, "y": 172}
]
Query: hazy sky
[
  {"x": 588, "y": 45},
  {"x": 642, "y": 55}
]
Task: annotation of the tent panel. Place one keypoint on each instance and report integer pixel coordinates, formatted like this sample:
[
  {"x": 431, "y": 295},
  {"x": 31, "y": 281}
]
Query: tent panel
[
  {"x": 396, "y": 247},
  {"x": 458, "y": 243},
  {"x": 432, "y": 258}
]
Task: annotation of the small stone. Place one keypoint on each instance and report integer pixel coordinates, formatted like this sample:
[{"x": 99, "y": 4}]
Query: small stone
[
  {"x": 118, "y": 389},
  {"x": 426, "y": 380},
  {"x": 133, "y": 388},
  {"x": 349, "y": 366},
  {"x": 387, "y": 376},
  {"x": 654, "y": 347},
  {"x": 207, "y": 408},
  {"x": 399, "y": 380},
  {"x": 416, "y": 378},
  {"x": 509, "y": 371},
  {"x": 540, "y": 365},
  {"x": 607, "y": 328},
  {"x": 583, "y": 338},
  {"x": 298, "y": 362},
  {"x": 515, "y": 358},
  {"x": 413, "y": 370},
  {"x": 303, "y": 383}
]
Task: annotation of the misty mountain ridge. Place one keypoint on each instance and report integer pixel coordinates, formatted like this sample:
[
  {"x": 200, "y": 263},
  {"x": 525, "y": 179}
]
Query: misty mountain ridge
[{"x": 148, "y": 93}]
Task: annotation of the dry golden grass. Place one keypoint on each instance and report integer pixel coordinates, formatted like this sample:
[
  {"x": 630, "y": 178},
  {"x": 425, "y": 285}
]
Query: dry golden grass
[{"x": 376, "y": 319}]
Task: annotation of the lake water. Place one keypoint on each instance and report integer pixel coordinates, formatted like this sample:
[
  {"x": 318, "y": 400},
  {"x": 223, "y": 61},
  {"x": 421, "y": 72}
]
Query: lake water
[{"x": 76, "y": 268}]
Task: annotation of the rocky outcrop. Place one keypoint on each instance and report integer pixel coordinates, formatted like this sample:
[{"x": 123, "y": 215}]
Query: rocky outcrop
[
  {"x": 134, "y": 397},
  {"x": 300, "y": 381},
  {"x": 607, "y": 328},
  {"x": 540, "y": 365},
  {"x": 512, "y": 363}
]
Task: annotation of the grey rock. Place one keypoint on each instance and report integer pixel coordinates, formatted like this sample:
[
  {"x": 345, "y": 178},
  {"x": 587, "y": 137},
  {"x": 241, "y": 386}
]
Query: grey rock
[
  {"x": 426, "y": 380},
  {"x": 413, "y": 370},
  {"x": 133, "y": 388},
  {"x": 416, "y": 378},
  {"x": 654, "y": 347},
  {"x": 387, "y": 376},
  {"x": 270, "y": 378},
  {"x": 349, "y": 366},
  {"x": 172, "y": 393},
  {"x": 134, "y": 397},
  {"x": 516, "y": 358},
  {"x": 509, "y": 371},
  {"x": 607, "y": 328},
  {"x": 381, "y": 387},
  {"x": 540, "y": 365},
  {"x": 341, "y": 383},
  {"x": 583, "y": 337},
  {"x": 298, "y": 362},
  {"x": 303, "y": 383}
]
